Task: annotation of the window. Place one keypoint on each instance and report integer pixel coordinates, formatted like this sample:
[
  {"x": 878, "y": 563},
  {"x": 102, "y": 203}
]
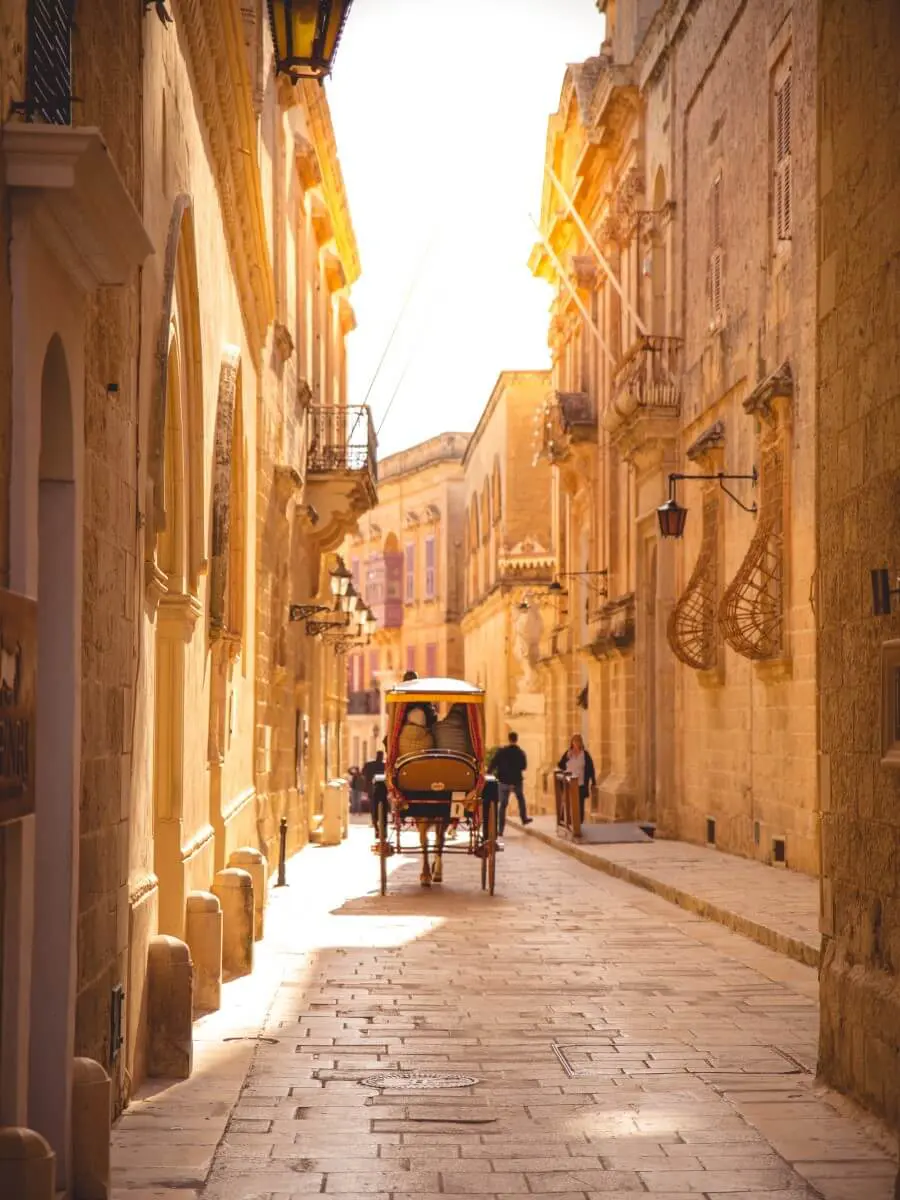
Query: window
[
  {"x": 782, "y": 149},
  {"x": 410, "y": 573},
  {"x": 373, "y": 667},
  {"x": 714, "y": 280},
  {"x": 431, "y": 659},
  {"x": 410, "y": 658},
  {"x": 430, "y": 568},
  {"x": 48, "y": 89}
]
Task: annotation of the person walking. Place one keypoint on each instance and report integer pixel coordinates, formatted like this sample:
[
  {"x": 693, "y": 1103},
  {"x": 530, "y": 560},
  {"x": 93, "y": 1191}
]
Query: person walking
[
  {"x": 509, "y": 765},
  {"x": 578, "y": 763}
]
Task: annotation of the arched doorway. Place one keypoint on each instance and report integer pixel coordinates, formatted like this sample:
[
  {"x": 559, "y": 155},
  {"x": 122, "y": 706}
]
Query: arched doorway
[{"x": 57, "y": 768}]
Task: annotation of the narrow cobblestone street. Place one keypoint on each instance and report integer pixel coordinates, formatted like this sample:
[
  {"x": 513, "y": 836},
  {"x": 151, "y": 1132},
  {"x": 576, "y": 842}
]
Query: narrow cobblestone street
[{"x": 619, "y": 1045}]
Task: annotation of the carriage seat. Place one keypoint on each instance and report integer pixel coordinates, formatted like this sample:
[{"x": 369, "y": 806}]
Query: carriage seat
[{"x": 435, "y": 772}]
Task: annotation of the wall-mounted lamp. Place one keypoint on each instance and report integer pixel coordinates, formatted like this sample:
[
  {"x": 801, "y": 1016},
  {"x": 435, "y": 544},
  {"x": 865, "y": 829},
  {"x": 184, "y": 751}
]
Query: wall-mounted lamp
[
  {"x": 340, "y": 583},
  {"x": 599, "y": 590},
  {"x": 306, "y": 35},
  {"x": 672, "y": 517},
  {"x": 882, "y": 592}
]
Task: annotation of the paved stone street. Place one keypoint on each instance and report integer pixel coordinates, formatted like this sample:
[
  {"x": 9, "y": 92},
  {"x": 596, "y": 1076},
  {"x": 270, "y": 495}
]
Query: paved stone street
[{"x": 620, "y": 1046}]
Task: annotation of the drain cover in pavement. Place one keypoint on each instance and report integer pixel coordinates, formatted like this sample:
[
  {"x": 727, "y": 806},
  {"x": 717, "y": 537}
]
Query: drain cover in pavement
[{"x": 417, "y": 1080}]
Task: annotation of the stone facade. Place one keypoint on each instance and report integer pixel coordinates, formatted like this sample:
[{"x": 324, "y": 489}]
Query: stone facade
[
  {"x": 682, "y": 342},
  {"x": 858, "y": 528},
  {"x": 177, "y": 462},
  {"x": 508, "y": 565},
  {"x": 406, "y": 558}
]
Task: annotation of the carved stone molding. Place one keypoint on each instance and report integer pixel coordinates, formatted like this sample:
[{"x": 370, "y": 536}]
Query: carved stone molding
[
  {"x": 283, "y": 342},
  {"x": 215, "y": 37},
  {"x": 585, "y": 270}
]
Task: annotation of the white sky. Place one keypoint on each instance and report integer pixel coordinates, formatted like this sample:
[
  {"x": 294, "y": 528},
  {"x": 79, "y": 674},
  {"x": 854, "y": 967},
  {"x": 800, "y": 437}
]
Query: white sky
[{"x": 440, "y": 109}]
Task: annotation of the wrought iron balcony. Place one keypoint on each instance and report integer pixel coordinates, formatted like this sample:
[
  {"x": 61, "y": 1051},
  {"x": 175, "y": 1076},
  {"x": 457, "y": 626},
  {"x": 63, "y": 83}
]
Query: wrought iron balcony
[
  {"x": 341, "y": 469},
  {"x": 569, "y": 419},
  {"x": 361, "y": 704},
  {"x": 342, "y": 440}
]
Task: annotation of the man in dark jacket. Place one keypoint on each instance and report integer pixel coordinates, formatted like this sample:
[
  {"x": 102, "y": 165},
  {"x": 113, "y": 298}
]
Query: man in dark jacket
[{"x": 509, "y": 765}]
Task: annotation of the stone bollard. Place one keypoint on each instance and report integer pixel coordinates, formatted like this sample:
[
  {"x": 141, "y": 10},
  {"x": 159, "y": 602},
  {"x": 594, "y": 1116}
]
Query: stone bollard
[
  {"x": 170, "y": 1049},
  {"x": 234, "y": 888},
  {"x": 27, "y": 1165},
  {"x": 91, "y": 1108},
  {"x": 203, "y": 934},
  {"x": 257, "y": 866}
]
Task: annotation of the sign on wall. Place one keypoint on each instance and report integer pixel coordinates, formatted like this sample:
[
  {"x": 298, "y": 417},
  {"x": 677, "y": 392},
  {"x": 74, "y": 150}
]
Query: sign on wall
[{"x": 18, "y": 702}]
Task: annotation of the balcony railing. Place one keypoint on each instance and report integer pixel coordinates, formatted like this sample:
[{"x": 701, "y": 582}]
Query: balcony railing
[
  {"x": 342, "y": 440},
  {"x": 48, "y": 87},
  {"x": 649, "y": 376},
  {"x": 362, "y": 704}
]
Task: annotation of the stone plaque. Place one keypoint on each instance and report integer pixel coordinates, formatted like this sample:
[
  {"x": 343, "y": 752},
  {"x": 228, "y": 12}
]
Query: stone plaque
[{"x": 18, "y": 695}]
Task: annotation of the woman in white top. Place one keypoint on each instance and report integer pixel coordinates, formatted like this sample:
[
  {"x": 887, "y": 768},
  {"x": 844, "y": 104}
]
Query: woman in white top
[{"x": 578, "y": 763}]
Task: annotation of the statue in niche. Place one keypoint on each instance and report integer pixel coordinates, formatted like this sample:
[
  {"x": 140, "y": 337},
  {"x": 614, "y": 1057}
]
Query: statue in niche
[{"x": 529, "y": 626}]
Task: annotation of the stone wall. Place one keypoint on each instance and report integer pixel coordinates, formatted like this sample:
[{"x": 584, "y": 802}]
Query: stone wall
[
  {"x": 745, "y": 740},
  {"x": 858, "y": 526},
  {"x": 107, "y": 54}
]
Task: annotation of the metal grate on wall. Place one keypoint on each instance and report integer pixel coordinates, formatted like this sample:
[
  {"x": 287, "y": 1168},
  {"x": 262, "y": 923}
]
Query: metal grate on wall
[{"x": 49, "y": 82}]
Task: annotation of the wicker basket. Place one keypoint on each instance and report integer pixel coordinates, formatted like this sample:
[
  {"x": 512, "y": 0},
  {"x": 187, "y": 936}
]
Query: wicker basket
[{"x": 413, "y": 740}]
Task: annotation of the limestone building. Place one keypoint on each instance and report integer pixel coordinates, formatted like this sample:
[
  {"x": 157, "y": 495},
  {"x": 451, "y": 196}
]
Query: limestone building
[
  {"x": 177, "y": 460},
  {"x": 508, "y": 566},
  {"x": 858, "y": 530},
  {"x": 678, "y": 231},
  {"x": 406, "y": 560}
]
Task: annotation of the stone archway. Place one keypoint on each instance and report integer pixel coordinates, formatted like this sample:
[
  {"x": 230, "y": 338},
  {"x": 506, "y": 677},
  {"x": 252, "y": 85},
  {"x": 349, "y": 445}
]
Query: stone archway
[{"x": 58, "y": 760}]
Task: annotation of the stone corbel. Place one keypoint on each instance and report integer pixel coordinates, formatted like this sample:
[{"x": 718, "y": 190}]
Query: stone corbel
[
  {"x": 288, "y": 486},
  {"x": 283, "y": 342},
  {"x": 321, "y": 219},
  {"x": 334, "y": 271},
  {"x": 155, "y": 586},
  {"x": 585, "y": 270},
  {"x": 307, "y": 162}
]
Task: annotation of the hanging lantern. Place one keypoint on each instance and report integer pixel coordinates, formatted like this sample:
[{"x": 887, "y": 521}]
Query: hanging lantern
[
  {"x": 306, "y": 34},
  {"x": 672, "y": 518}
]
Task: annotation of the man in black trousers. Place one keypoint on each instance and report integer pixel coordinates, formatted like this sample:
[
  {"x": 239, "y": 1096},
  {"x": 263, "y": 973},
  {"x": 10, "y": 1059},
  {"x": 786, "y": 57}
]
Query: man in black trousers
[{"x": 509, "y": 765}]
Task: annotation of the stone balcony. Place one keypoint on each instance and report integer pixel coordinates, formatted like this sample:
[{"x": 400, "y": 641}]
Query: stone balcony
[
  {"x": 646, "y": 399},
  {"x": 341, "y": 469}
]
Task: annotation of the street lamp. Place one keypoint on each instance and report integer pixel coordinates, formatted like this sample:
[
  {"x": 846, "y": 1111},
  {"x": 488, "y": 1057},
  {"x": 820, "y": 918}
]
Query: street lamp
[
  {"x": 672, "y": 517},
  {"x": 340, "y": 580},
  {"x": 306, "y": 35}
]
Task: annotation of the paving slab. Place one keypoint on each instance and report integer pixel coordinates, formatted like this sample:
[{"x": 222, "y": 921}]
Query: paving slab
[
  {"x": 609, "y": 1048},
  {"x": 776, "y": 907}
]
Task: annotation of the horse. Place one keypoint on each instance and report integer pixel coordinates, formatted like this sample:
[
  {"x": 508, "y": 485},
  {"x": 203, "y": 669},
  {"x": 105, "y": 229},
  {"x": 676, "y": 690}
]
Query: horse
[{"x": 432, "y": 873}]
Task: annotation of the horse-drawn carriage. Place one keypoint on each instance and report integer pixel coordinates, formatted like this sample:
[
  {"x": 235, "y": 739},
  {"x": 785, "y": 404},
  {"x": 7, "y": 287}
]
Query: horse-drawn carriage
[{"x": 434, "y": 779}]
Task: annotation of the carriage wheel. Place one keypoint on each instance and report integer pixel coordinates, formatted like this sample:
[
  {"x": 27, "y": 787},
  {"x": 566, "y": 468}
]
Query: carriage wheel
[
  {"x": 383, "y": 845},
  {"x": 491, "y": 861}
]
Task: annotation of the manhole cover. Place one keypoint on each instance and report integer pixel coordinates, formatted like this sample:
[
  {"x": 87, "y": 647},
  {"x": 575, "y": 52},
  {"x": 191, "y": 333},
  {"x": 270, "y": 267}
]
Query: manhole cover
[{"x": 417, "y": 1080}]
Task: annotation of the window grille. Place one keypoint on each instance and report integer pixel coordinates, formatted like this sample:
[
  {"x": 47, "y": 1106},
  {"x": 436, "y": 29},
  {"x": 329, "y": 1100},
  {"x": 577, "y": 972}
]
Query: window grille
[
  {"x": 716, "y": 257},
  {"x": 49, "y": 78},
  {"x": 431, "y": 660},
  {"x": 783, "y": 180},
  {"x": 410, "y": 658}
]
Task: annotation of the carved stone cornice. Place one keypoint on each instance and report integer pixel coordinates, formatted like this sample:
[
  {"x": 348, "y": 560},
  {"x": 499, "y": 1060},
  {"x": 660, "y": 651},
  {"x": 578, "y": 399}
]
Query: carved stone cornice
[
  {"x": 706, "y": 446},
  {"x": 214, "y": 33},
  {"x": 333, "y": 189},
  {"x": 284, "y": 343},
  {"x": 306, "y": 162},
  {"x": 585, "y": 270},
  {"x": 763, "y": 401},
  {"x": 178, "y": 614}
]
